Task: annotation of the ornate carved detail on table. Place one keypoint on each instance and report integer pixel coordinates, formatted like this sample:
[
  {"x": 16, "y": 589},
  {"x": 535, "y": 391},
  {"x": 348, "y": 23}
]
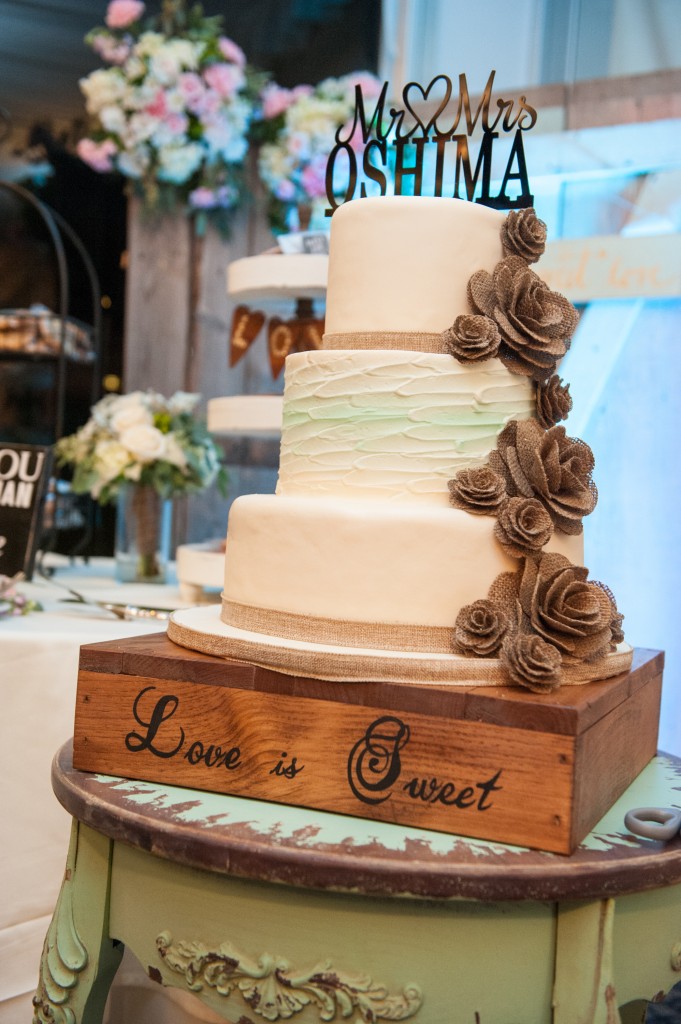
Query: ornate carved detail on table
[
  {"x": 64, "y": 958},
  {"x": 274, "y": 990}
]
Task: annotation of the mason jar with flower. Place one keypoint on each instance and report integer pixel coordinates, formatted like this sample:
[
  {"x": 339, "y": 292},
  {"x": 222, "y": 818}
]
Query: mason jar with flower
[{"x": 142, "y": 450}]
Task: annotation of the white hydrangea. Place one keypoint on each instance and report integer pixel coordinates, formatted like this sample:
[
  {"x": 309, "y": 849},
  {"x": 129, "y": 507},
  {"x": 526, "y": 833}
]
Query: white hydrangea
[
  {"x": 133, "y": 163},
  {"x": 103, "y": 88},
  {"x": 178, "y": 163},
  {"x": 183, "y": 402},
  {"x": 113, "y": 118}
]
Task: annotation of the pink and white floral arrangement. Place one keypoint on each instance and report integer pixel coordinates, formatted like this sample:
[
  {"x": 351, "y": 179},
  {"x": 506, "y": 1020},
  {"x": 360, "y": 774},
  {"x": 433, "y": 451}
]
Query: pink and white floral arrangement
[
  {"x": 172, "y": 110},
  {"x": 297, "y": 131}
]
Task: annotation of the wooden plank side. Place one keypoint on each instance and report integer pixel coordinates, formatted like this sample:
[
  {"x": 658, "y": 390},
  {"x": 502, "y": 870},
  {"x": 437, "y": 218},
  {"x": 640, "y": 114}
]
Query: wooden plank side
[
  {"x": 460, "y": 777},
  {"x": 610, "y": 754},
  {"x": 569, "y": 711}
]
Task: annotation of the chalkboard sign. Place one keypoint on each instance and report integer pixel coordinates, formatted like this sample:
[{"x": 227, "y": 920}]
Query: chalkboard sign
[{"x": 24, "y": 469}]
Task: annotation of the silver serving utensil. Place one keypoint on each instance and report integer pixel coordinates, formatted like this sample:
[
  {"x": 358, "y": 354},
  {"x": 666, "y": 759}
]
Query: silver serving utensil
[{"x": 120, "y": 610}]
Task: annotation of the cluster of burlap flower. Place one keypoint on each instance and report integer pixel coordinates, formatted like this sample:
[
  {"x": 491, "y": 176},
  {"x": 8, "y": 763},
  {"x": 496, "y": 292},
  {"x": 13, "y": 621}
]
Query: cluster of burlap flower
[
  {"x": 547, "y": 471},
  {"x": 515, "y": 314},
  {"x": 550, "y": 466},
  {"x": 537, "y": 620},
  {"x": 535, "y": 323},
  {"x": 548, "y": 614}
]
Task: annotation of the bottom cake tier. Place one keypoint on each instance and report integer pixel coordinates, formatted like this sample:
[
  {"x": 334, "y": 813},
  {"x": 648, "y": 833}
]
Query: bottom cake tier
[
  {"x": 360, "y": 574},
  {"x": 359, "y": 591}
]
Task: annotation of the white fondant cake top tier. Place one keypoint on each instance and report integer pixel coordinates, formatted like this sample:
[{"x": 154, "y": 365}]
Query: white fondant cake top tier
[{"x": 402, "y": 263}]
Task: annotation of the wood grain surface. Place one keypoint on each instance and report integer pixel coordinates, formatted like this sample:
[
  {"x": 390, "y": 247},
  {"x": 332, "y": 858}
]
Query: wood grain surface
[{"x": 498, "y": 764}]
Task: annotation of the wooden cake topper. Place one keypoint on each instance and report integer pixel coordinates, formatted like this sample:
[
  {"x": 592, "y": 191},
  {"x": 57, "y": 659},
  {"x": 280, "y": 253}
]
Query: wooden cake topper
[{"x": 401, "y": 139}]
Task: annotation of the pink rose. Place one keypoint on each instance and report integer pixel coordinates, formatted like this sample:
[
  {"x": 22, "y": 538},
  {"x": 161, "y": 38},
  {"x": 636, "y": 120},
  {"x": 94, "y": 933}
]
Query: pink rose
[
  {"x": 313, "y": 178},
  {"x": 158, "y": 106},
  {"x": 230, "y": 51},
  {"x": 285, "y": 190},
  {"x": 176, "y": 123},
  {"x": 202, "y": 198},
  {"x": 275, "y": 100},
  {"x": 110, "y": 49},
  {"x": 192, "y": 88},
  {"x": 224, "y": 79},
  {"x": 368, "y": 83},
  {"x": 353, "y": 135},
  {"x": 98, "y": 155},
  {"x": 121, "y": 13}
]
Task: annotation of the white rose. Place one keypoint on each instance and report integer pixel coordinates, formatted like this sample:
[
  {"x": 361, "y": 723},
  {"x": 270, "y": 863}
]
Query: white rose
[
  {"x": 112, "y": 118},
  {"x": 148, "y": 43},
  {"x": 129, "y": 414},
  {"x": 145, "y": 442},
  {"x": 134, "y": 163},
  {"x": 102, "y": 88},
  {"x": 139, "y": 129},
  {"x": 174, "y": 453},
  {"x": 111, "y": 459}
]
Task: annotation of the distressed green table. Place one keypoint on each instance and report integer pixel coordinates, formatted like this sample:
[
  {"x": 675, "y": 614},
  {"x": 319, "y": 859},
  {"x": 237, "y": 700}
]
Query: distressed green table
[{"x": 273, "y": 913}]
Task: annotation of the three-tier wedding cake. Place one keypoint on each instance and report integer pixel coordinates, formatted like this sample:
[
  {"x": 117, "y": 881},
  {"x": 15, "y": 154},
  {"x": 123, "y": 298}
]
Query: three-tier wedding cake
[{"x": 427, "y": 524}]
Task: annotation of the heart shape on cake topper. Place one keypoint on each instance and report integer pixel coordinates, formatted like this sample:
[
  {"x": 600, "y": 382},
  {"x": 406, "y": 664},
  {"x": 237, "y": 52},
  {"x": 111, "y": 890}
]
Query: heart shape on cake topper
[{"x": 424, "y": 95}]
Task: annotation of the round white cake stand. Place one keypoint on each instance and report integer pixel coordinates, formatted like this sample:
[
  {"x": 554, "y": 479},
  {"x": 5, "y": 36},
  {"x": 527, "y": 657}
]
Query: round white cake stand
[
  {"x": 276, "y": 276},
  {"x": 201, "y": 629}
]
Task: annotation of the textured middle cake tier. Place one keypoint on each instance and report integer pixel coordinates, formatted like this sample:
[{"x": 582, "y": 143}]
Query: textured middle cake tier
[
  {"x": 360, "y": 574},
  {"x": 391, "y": 425}
]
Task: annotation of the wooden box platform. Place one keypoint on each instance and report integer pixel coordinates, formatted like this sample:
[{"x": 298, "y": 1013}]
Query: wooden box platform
[{"x": 492, "y": 763}]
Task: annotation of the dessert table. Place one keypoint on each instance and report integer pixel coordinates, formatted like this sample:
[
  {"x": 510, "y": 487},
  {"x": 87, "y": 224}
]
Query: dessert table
[
  {"x": 38, "y": 672},
  {"x": 271, "y": 913}
]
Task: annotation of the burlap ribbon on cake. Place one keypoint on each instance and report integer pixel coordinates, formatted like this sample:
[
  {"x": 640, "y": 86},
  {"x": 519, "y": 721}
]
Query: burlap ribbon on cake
[{"x": 401, "y": 341}]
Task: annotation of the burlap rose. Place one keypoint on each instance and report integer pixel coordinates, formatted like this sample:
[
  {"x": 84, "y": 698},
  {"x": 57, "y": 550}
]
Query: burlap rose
[
  {"x": 553, "y": 402},
  {"x": 523, "y": 234},
  {"x": 549, "y": 466},
  {"x": 532, "y": 663},
  {"x": 478, "y": 490},
  {"x": 472, "y": 338},
  {"x": 617, "y": 633},
  {"x": 523, "y": 527},
  {"x": 535, "y": 323},
  {"x": 479, "y": 629},
  {"x": 616, "y": 618},
  {"x": 558, "y": 604}
]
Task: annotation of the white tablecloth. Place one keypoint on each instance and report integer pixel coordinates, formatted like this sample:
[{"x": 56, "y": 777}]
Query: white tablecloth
[{"x": 38, "y": 677}]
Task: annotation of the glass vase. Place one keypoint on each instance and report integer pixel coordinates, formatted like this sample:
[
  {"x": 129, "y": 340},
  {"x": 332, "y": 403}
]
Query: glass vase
[{"x": 143, "y": 535}]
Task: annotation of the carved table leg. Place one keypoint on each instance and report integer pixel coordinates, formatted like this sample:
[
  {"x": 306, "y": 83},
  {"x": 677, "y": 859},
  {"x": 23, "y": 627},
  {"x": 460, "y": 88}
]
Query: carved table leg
[
  {"x": 79, "y": 959},
  {"x": 583, "y": 990}
]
